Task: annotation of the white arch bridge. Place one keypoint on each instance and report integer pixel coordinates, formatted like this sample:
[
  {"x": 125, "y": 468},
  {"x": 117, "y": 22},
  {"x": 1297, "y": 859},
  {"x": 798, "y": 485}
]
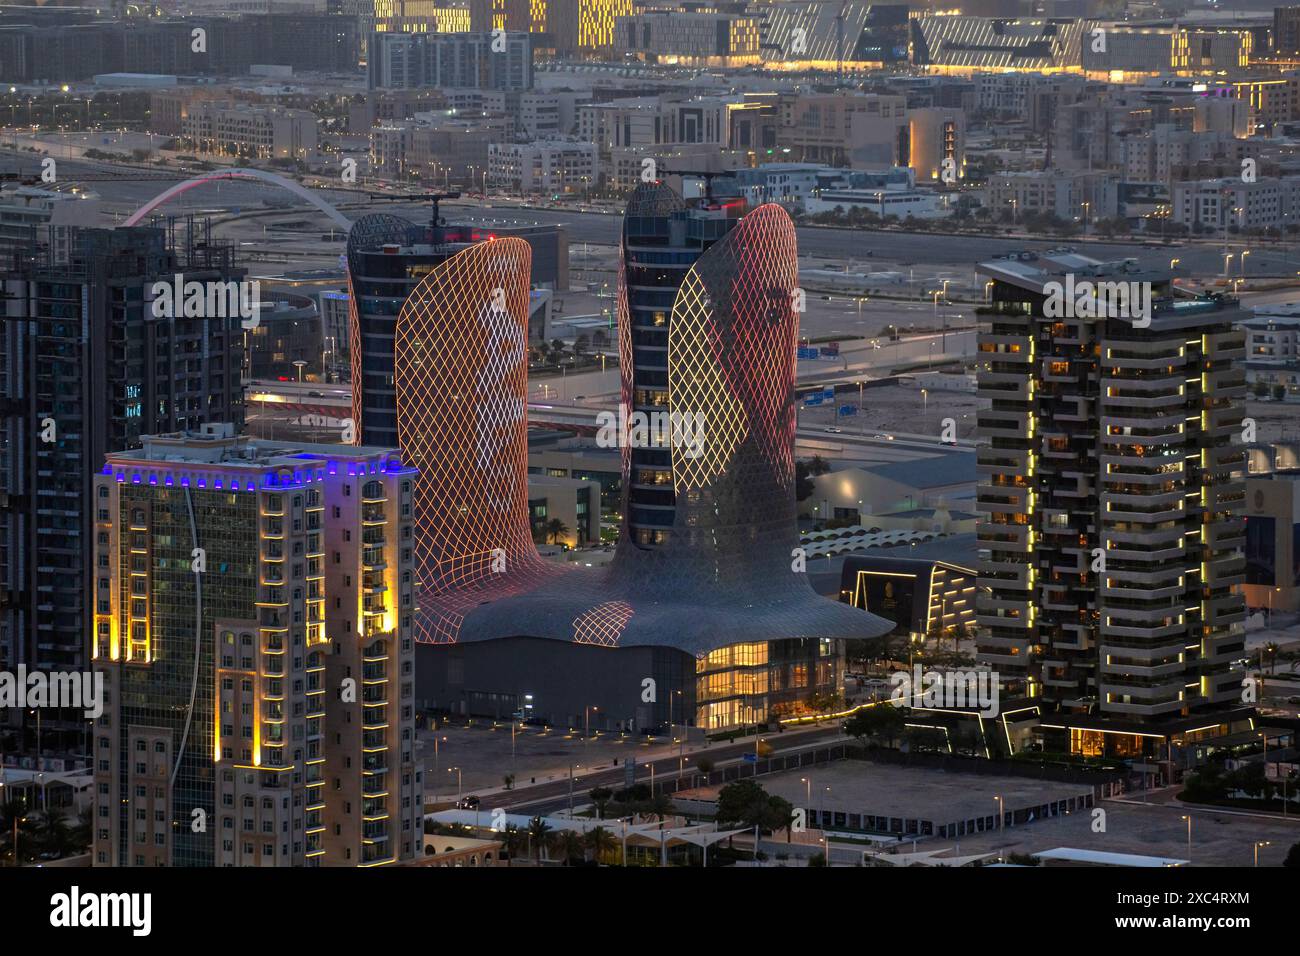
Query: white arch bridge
[{"x": 260, "y": 175}]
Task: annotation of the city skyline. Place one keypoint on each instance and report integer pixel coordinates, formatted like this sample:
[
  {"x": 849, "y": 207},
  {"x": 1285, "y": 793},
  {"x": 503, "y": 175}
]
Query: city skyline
[{"x": 645, "y": 433}]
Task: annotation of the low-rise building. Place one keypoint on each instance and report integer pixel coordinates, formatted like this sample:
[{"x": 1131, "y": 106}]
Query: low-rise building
[
  {"x": 689, "y": 38},
  {"x": 256, "y": 132},
  {"x": 564, "y": 510},
  {"x": 900, "y": 201},
  {"x": 1273, "y": 541},
  {"x": 1219, "y": 204},
  {"x": 546, "y": 167},
  {"x": 1066, "y": 194}
]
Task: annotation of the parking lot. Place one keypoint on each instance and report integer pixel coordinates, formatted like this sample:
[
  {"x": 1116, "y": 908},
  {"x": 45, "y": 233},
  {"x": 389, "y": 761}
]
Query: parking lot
[{"x": 484, "y": 753}]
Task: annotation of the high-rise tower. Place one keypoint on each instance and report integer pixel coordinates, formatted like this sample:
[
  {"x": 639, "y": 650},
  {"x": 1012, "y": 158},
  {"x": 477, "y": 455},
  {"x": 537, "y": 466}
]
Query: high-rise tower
[
  {"x": 87, "y": 368},
  {"x": 1111, "y": 482},
  {"x": 711, "y": 611},
  {"x": 254, "y": 627}
]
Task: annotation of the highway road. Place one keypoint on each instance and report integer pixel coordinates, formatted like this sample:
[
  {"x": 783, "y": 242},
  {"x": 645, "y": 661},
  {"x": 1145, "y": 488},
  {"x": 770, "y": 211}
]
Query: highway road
[{"x": 864, "y": 247}]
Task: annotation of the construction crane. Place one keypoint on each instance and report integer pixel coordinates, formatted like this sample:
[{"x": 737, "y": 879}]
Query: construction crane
[{"x": 436, "y": 221}]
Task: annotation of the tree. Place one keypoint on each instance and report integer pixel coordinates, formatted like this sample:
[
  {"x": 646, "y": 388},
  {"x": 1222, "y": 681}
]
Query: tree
[
  {"x": 601, "y": 796},
  {"x": 876, "y": 723},
  {"x": 570, "y": 845},
  {"x": 513, "y": 840},
  {"x": 804, "y": 472},
  {"x": 742, "y": 802},
  {"x": 749, "y": 805},
  {"x": 633, "y": 794},
  {"x": 601, "y": 843},
  {"x": 1292, "y": 856},
  {"x": 81, "y": 831},
  {"x": 51, "y": 832},
  {"x": 817, "y": 859},
  {"x": 556, "y": 530},
  {"x": 704, "y": 765},
  {"x": 538, "y": 831},
  {"x": 1268, "y": 653},
  {"x": 659, "y": 806},
  {"x": 11, "y": 811}
]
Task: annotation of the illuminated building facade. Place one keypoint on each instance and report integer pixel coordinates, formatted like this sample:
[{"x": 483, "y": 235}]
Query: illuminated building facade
[
  {"x": 937, "y": 142},
  {"x": 84, "y": 362},
  {"x": 387, "y": 257},
  {"x": 663, "y": 238},
  {"x": 832, "y": 34},
  {"x": 926, "y": 600},
  {"x": 963, "y": 45},
  {"x": 704, "y": 597},
  {"x": 1110, "y": 480},
  {"x": 584, "y": 27},
  {"x": 461, "y": 372},
  {"x": 467, "y": 61},
  {"x": 254, "y": 628},
  {"x": 701, "y": 39}
]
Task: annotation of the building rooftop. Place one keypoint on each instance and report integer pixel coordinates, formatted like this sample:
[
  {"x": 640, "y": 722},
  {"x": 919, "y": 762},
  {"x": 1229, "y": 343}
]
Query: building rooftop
[
  {"x": 953, "y": 468},
  {"x": 218, "y": 446},
  {"x": 1064, "y": 271},
  {"x": 1068, "y": 854},
  {"x": 930, "y": 513}
]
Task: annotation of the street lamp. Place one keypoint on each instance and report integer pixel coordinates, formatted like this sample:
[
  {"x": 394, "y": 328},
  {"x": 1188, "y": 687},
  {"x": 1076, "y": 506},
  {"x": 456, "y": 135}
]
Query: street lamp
[
  {"x": 456, "y": 771},
  {"x": 1258, "y": 844},
  {"x": 1188, "y": 818},
  {"x": 435, "y": 754}
]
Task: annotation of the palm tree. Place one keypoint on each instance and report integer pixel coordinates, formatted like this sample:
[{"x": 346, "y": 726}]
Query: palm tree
[
  {"x": 600, "y": 842},
  {"x": 537, "y": 831},
  {"x": 1269, "y": 653},
  {"x": 51, "y": 831},
  {"x": 660, "y": 805},
  {"x": 81, "y": 831},
  {"x": 11, "y": 812},
  {"x": 556, "y": 529},
  {"x": 512, "y": 840},
  {"x": 570, "y": 845}
]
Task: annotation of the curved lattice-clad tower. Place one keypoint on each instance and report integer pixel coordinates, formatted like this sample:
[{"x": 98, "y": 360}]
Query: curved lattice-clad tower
[
  {"x": 378, "y": 282},
  {"x": 721, "y": 497},
  {"x": 461, "y": 380},
  {"x": 705, "y": 615}
]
